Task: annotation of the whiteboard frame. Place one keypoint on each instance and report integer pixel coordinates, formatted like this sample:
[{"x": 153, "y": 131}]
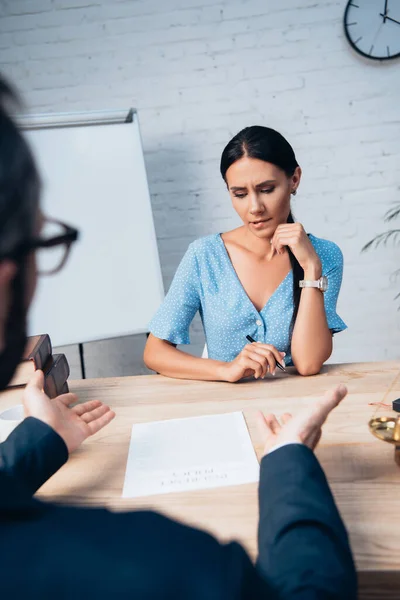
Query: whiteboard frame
[
  {"x": 29, "y": 122},
  {"x": 75, "y": 119}
]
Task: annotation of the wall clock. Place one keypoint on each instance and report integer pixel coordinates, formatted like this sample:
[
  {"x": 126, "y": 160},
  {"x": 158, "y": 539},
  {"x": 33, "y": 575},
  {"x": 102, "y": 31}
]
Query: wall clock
[{"x": 372, "y": 28}]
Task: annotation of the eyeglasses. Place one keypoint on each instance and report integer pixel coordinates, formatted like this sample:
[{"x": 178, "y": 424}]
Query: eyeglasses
[{"x": 52, "y": 248}]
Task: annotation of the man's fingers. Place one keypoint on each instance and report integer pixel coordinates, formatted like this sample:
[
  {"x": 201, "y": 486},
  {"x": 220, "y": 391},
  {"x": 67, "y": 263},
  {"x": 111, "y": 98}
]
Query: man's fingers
[
  {"x": 330, "y": 400},
  {"x": 36, "y": 381},
  {"x": 262, "y": 424},
  {"x": 81, "y": 409},
  {"x": 313, "y": 439},
  {"x": 101, "y": 422},
  {"x": 68, "y": 399},
  {"x": 316, "y": 416},
  {"x": 285, "y": 418},
  {"x": 94, "y": 414},
  {"x": 273, "y": 423}
]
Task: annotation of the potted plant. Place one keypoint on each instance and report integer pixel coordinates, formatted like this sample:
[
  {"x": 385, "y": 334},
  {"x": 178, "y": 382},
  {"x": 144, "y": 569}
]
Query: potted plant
[{"x": 392, "y": 235}]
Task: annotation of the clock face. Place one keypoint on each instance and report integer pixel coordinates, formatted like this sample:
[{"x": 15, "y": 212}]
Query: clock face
[{"x": 373, "y": 28}]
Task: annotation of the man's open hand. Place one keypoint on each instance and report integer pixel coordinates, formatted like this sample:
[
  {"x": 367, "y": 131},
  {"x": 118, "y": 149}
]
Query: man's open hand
[
  {"x": 74, "y": 424},
  {"x": 304, "y": 428}
]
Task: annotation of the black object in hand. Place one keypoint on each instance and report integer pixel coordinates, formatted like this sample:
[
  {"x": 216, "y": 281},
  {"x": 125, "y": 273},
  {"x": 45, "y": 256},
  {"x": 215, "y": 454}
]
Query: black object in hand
[{"x": 253, "y": 341}]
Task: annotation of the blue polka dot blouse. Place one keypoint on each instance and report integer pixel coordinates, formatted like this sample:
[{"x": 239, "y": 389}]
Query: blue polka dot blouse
[{"x": 206, "y": 281}]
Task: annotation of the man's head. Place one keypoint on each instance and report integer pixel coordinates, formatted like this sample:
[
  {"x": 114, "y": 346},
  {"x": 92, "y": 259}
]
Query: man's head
[{"x": 19, "y": 223}]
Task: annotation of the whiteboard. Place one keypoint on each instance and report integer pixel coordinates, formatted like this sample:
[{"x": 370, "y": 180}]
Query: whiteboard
[{"x": 94, "y": 178}]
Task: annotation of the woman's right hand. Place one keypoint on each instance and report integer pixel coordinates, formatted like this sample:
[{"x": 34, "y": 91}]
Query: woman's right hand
[{"x": 255, "y": 359}]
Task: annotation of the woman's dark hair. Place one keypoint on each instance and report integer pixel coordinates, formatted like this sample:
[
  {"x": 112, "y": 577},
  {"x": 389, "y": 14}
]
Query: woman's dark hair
[{"x": 270, "y": 146}]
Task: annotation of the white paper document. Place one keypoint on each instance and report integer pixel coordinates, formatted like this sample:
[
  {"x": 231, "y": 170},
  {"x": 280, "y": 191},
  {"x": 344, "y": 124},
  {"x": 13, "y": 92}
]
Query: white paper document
[{"x": 189, "y": 454}]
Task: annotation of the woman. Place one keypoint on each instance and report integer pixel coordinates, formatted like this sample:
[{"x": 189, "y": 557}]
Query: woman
[{"x": 266, "y": 279}]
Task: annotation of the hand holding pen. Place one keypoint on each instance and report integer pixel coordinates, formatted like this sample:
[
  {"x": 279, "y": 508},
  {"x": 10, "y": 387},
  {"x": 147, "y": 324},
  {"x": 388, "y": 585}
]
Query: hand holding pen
[
  {"x": 278, "y": 364},
  {"x": 254, "y": 360}
]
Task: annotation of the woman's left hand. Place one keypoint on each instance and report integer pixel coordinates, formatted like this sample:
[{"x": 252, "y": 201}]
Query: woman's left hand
[{"x": 294, "y": 236}]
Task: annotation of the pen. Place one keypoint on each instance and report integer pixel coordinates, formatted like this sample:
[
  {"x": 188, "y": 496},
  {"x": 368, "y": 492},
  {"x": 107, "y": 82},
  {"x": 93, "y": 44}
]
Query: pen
[{"x": 252, "y": 341}]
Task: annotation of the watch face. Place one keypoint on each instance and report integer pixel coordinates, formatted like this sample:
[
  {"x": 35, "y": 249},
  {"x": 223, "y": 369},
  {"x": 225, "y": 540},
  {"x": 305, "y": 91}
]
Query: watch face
[
  {"x": 323, "y": 283},
  {"x": 372, "y": 28}
]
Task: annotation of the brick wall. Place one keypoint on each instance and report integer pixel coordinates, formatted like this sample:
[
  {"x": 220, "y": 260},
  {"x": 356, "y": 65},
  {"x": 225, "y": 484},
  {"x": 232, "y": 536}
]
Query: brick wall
[{"x": 198, "y": 71}]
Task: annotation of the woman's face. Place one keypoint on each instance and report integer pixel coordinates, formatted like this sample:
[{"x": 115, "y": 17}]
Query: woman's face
[{"x": 260, "y": 194}]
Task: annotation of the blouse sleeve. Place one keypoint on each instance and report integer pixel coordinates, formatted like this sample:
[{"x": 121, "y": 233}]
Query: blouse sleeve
[
  {"x": 172, "y": 320},
  {"x": 334, "y": 273}
]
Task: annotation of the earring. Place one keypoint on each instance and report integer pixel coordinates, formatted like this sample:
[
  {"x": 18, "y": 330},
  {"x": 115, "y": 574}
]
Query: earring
[{"x": 294, "y": 192}]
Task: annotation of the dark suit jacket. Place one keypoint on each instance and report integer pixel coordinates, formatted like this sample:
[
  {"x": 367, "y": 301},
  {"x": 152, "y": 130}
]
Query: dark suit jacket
[{"x": 53, "y": 552}]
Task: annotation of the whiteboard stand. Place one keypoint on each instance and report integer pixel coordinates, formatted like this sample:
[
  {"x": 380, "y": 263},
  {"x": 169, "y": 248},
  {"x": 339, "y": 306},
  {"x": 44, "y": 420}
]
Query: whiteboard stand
[
  {"x": 82, "y": 360},
  {"x": 94, "y": 178}
]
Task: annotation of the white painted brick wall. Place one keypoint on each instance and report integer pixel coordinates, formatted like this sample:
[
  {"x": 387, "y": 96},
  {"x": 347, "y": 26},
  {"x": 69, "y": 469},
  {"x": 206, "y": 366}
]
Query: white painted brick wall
[{"x": 198, "y": 71}]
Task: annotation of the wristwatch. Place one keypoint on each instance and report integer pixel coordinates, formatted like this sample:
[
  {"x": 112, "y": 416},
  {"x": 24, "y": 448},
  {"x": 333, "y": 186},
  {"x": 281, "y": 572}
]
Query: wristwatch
[{"x": 321, "y": 283}]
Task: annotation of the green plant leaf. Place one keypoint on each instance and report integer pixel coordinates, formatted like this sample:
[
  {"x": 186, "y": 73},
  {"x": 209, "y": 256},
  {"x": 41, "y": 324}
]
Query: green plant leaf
[
  {"x": 392, "y": 213},
  {"x": 382, "y": 238}
]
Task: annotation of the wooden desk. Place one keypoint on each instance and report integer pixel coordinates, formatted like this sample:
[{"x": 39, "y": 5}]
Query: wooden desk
[{"x": 360, "y": 469}]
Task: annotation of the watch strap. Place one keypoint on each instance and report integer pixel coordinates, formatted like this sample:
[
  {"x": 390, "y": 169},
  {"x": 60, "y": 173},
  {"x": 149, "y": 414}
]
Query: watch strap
[
  {"x": 321, "y": 283},
  {"x": 307, "y": 283}
]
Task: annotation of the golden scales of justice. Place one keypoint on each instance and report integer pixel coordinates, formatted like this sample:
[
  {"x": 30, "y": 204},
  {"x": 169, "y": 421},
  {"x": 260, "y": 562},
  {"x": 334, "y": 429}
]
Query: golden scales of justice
[{"x": 388, "y": 430}]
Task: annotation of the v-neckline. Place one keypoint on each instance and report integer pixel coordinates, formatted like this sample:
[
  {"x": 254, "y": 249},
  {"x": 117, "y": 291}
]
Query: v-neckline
[{"x": 228, "y": 258}]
